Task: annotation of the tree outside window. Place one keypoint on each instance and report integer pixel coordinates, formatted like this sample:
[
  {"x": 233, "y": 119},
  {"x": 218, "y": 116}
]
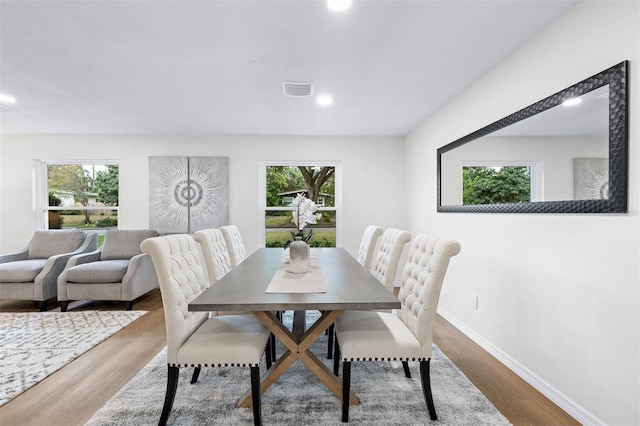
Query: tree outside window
[
  {"x": 282, "y": 184},
  {"x": 493, "y": 185},
  {"x": 82, "y": 196}
]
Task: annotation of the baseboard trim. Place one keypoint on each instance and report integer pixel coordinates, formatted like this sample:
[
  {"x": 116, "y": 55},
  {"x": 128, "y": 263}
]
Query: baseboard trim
[{"x": 572, "y": 408}]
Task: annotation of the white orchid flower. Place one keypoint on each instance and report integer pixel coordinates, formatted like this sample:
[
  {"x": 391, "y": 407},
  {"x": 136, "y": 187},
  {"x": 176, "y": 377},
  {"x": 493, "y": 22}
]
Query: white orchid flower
[{"x": 304, "y": 212}]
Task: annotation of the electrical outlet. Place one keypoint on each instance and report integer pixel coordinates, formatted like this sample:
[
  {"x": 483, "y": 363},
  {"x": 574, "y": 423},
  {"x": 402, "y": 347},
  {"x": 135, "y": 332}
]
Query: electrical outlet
[{"x": 474, "y": 301}]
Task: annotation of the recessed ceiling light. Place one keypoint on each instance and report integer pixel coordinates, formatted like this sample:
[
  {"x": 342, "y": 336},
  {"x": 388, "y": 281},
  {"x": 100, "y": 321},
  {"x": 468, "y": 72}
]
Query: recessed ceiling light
[
  {"x": 324, "y": 100},
  {"x": 339, "y": 5},
  {"x": 7, "y": 99},
  {"x": 572, "y": 101}
]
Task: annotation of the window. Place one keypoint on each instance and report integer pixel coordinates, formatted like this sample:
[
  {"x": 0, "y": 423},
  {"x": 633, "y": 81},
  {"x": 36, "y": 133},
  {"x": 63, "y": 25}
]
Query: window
[
  {"x": 500, "y": 182},
  {"x": 78, "y": 194},
  {"x": 282, "y": 182}
]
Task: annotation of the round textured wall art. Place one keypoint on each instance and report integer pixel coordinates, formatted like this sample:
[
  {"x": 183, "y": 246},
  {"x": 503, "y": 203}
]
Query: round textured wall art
[{"x": 188, "y": 193}]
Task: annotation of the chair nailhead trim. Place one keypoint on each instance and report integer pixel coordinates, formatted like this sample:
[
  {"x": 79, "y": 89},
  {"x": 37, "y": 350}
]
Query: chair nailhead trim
[
  {"x": 212, "y": 365},
  {"x": 383, "y": 359}
]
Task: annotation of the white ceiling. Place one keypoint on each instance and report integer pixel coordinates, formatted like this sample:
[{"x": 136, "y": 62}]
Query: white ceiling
[{"x": 218, "y": 66}]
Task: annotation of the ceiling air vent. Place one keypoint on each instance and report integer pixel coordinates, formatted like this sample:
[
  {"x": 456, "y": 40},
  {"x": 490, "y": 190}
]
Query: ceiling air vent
[{"x": 297, "y": 89}]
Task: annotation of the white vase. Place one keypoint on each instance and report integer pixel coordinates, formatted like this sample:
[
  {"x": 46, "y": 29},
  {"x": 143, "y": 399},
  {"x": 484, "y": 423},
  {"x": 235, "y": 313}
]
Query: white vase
[{"x": 299, "y": 253}]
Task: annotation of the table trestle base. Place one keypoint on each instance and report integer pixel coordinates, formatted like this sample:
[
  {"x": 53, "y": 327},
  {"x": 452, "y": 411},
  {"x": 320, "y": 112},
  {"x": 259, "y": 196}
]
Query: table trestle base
[{"x": 298, "y": 343}]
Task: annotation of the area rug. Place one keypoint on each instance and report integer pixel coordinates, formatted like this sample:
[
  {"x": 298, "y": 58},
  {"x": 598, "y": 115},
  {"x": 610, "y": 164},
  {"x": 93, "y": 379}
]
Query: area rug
[
  {"x": 33, "y": 345},
  {"x": 298, "y": 398}
]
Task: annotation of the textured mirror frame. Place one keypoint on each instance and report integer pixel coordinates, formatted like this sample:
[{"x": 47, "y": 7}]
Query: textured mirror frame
[{"x": 616, "y": 78}]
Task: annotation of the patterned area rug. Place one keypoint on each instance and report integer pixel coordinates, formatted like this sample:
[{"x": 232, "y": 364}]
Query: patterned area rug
[
  {"x": 33, "y": 345},
  {"x": 298, "y": 397}
]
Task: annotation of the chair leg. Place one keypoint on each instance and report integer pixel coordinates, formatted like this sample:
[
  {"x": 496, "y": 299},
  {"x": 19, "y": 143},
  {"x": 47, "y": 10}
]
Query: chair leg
[
  {"x": 272, "y": 337},
  {"x": 255, "y": 396},
  {"x": 172, "y": 385},
  {"x": 64, "y": 305},
  {"x": 267, "y": 354},
  {"x": 346, "y": 390},
  {"x": 196, "y": 374},
  {"x": 272, "y": 347},
  {"x": 405, "y": 367},
  {"x": 426, "y": 388},
  {"x": 42, "y": 305},
  {"x": 128, "y": 305},
  {"x": 330, "y": 342},
  {"x": 336, "y": 356}
]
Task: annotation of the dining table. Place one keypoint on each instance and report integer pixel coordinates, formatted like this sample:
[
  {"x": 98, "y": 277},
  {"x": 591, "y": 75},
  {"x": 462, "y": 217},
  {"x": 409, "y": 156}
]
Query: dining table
[{"x": 263, "y": 285}]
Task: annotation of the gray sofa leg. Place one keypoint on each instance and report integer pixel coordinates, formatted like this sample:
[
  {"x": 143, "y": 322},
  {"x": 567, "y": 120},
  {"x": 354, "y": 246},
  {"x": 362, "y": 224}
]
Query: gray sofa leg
[
  {"x": 64, "y": 305},
  {"x": 128, "y": 305},
  {"x": 42, "y": 305}
]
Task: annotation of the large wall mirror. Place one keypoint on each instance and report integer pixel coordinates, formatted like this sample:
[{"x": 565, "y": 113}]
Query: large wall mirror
[{"x": 564, "y": 154}]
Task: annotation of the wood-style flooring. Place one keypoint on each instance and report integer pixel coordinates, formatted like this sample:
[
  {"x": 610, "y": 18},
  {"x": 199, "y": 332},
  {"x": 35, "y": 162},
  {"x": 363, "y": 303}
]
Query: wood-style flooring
[{"x": 74, "y": 393}]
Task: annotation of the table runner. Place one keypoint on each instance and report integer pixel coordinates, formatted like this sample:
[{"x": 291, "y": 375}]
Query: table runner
[{"x": 284, "y": 281}]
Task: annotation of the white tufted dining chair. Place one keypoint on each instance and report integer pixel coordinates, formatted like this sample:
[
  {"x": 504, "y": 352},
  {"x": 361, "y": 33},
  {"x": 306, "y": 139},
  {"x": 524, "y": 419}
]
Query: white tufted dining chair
[
  {"x": 194, "y": 338},
  {"x": 216, "y": 254},
  {"x": 386, "y": 259},
  {"x": 385, "y": 266},
  {"x": 218, "y": 261},
  {"x": 368, "y": 245},
  {"x": 408, "y": 336},
  {"x": 235, "y": 244}
]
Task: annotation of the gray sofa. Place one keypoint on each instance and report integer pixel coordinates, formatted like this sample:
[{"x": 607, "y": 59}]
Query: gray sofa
[
  {"x": 32, "y": 273},
  {"x": 117, "y": 271}
]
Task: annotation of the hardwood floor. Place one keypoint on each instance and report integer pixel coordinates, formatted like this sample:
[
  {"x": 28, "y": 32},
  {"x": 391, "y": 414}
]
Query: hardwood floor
[
  {"x": 74, "y": 393},
  {"x": 517, "y": 400}
]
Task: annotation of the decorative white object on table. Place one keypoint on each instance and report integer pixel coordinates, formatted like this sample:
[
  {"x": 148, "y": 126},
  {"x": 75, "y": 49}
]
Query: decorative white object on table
[
  {"x": 305, "y": 213},
  {"x": 299, "y": 256}
]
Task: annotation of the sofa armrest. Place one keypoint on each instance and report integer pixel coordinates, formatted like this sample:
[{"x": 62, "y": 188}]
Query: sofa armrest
[
  {"x": 46, "y": 283},
  {"x": 141, "y": 276},
  {"x": 138, "y": 264},
  {"x": 90, "y": 244},
  {"x": 79, "y": 259},
  {"x": 13, "y": 257}
]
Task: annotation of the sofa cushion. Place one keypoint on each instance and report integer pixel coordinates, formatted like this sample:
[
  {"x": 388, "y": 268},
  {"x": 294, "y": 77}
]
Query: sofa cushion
[
  {"x": 45, "y": 244},
  {"x": 102, "y": 271},
  {"x": 21, "y": 271},
  {"x": 124, "y": 244}
]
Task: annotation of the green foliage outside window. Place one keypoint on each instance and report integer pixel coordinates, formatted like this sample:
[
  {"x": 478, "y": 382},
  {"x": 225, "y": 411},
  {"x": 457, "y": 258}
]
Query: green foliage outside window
[
  {"x": 90, "y": 185},
  {"x": 316, "y": 181},
  {"x": 492, "y": 185},
  {"x": 106, "y": 184},
  {"x": 282, "y": 185}
]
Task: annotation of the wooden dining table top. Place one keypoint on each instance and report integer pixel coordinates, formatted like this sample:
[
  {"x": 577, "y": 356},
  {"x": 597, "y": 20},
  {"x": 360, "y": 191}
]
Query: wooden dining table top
[{"x": 348, "y": 286}]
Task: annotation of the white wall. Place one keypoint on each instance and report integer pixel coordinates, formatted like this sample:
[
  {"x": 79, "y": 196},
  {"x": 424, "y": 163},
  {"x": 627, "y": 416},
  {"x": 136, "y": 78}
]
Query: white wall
[
  {"x": 558, "y": 293},
  {"x": 372, "y": 185}
]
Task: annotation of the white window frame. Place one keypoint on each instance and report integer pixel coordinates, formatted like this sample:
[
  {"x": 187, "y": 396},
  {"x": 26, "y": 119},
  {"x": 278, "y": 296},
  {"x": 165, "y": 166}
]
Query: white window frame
[
  {"x": 262, "y": 193},
  {"x": 41, "y": 191},
  {"x": 536, "y": 188}
]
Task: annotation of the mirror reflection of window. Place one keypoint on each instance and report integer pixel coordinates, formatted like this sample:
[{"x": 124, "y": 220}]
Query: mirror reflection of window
[{"x": 496, "y": 183}]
